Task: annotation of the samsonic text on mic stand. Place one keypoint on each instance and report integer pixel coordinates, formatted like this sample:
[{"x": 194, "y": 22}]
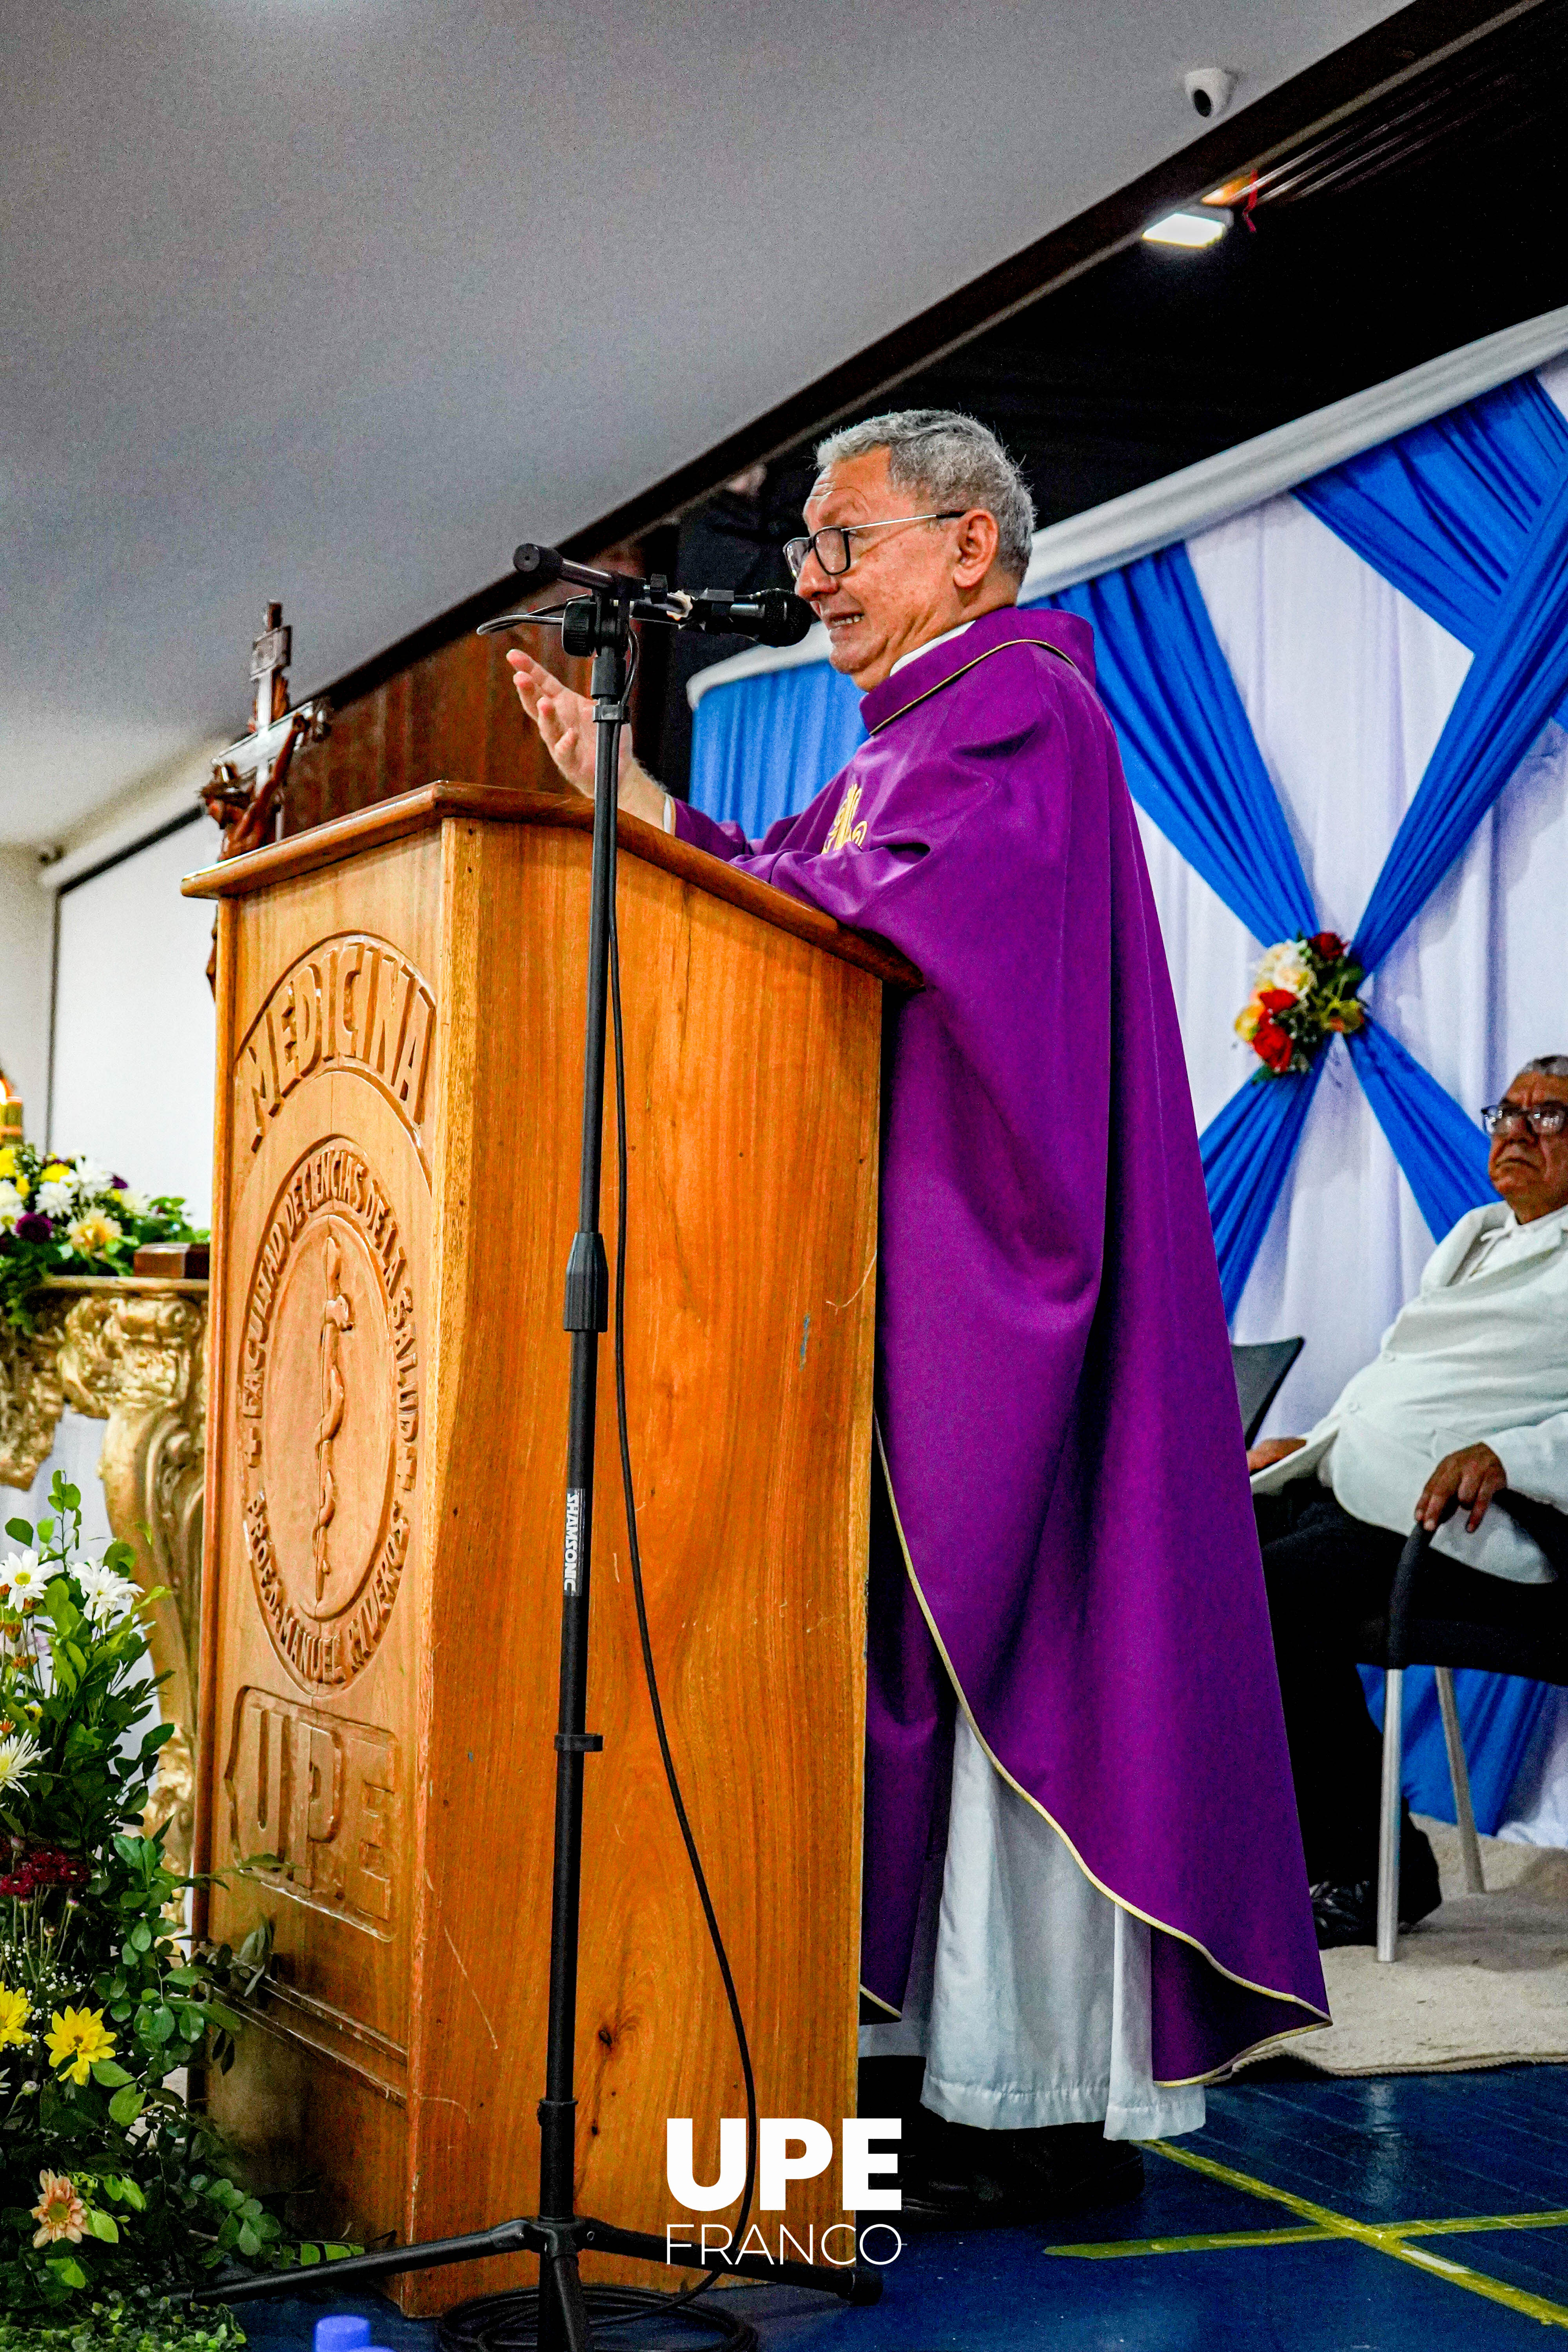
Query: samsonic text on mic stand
[{"x": 598, "y": 625}]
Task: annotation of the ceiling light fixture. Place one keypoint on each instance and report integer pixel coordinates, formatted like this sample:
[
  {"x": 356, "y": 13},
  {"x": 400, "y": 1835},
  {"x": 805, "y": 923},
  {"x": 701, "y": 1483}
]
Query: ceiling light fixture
[{"x": 1191, "y": 229}]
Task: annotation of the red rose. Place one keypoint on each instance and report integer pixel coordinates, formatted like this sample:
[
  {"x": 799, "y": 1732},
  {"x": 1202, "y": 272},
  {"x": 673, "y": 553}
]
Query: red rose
[
  {"x": 1276, "y": 1000},
  {"x": 1330, "y": 945},
  {"x": 1273, "y": 1045}
]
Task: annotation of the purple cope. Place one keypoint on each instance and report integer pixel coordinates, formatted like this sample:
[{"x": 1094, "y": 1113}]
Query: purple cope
[{"x": 1056, "y": 1417}]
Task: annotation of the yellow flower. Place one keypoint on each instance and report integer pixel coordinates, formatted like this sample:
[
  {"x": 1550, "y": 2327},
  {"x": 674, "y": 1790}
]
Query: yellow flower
[
  {"x": 59, "y": 2212},
  {"x": 13, "y": 2018},
  {"x": 1248, "y": 1019},
  {"x": 8, "y": 1161},
  {"x": 56, "y": 1172},
  {"x": 93, "y": 1233},
  {"x": 77, "y": 2039},
  {"x": 23, "y": 1185}
]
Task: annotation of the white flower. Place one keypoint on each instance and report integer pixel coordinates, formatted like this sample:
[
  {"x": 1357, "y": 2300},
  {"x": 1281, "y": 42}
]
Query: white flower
[
  {"x": 133, "y": 1203},
  {"x": 17, "y": 1757},
  {"x": 90, "y": 1178},
  {"x": 55, "y": 1199},
  {"x": 1284, "y": 966},
  {"x": 106, "y": 1596},
  {"x": 11, "y": 1202},
  {"x": 22, "y": 1579},
  {"x": 93, "y": 1233}
]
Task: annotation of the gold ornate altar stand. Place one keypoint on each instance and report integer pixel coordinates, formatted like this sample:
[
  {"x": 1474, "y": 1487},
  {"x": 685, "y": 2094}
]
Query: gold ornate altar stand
[{"x": 131, "y": 1353}]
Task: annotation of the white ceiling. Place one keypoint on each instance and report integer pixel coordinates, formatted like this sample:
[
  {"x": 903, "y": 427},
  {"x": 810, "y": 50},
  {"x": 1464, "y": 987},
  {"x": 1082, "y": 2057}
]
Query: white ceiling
[{"x": 335, "y": 300}]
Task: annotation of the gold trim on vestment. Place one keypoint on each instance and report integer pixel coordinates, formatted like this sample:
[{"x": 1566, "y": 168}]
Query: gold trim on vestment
[
  {"x": 1268, "y": 1992},
  {"x": 875, "y": 1998},
  {"x": 1043, "y": 645}
]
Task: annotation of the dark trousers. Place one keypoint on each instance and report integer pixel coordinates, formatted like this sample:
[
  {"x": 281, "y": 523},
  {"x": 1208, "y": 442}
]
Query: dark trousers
[{"x": 1327, "y": 1573}]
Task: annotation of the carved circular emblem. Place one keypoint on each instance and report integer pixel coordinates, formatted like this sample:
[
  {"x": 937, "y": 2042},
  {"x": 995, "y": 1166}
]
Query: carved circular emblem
[{"x": 329, "y": 1416}]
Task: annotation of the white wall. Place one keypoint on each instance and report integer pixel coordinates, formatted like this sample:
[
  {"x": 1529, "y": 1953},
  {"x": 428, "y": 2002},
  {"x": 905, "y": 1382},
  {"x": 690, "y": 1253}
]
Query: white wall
[
  {"x": 133, "y": 1021},
  {"x": 26, "y": 918}
]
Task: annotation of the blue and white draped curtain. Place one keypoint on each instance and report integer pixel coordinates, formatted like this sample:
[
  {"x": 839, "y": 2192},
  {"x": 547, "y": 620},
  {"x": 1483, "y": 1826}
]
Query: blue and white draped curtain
[{"x": 1467, "y": 517}]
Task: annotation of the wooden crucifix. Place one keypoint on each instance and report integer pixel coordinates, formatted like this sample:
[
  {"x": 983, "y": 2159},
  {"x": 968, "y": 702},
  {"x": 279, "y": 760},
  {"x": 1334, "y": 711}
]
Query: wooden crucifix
[{"x": 249, "y": 779}]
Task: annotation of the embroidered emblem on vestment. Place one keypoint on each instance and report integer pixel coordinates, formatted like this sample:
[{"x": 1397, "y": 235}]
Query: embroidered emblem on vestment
[{"x": 844, "y": 833}]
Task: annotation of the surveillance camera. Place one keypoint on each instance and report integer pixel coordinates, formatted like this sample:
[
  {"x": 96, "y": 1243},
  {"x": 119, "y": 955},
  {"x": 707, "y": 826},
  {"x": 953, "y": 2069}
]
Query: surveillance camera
[{"x": 1209, "y": 88}]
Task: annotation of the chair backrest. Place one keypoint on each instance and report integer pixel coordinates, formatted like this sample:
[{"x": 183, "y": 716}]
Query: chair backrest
[{"x": 1260, "y": 1369}]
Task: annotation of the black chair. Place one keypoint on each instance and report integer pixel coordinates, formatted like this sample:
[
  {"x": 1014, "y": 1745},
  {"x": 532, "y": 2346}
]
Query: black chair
[
  {"x": 1259, "y": 1369},
  {"x": 1444, "y": 1615}
]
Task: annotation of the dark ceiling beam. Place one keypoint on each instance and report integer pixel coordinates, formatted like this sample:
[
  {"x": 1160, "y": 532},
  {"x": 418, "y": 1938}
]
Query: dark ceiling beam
[{"x": 1413, "y": 42}]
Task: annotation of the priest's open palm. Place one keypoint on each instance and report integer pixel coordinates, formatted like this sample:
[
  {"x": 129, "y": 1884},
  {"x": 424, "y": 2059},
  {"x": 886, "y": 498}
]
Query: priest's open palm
[{"x": 564, "y": 720}]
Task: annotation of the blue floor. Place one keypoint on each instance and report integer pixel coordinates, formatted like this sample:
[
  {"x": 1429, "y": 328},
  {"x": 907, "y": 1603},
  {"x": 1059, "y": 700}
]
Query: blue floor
[{"x": 1359, "y": 2163}]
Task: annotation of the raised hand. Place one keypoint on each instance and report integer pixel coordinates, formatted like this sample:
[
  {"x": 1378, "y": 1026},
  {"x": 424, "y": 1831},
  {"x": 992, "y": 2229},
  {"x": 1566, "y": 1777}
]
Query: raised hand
[
  {"x": 564, "y": 720},
  {"x": 565, "y": 724}
]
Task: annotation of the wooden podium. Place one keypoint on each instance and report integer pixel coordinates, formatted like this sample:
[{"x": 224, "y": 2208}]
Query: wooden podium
[{"x": 399, "y": 1082}]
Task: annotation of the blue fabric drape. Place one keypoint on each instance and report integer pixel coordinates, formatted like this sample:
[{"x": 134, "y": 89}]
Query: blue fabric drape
[
  {"x": 1443, "y": 511},
  {"x": 1187, "y": 745},
  {"x": 1500, "y": 1716},
  {"x": 1513, "y": 686},
  {"x": 1442, "y": 1152},
  {"x": 1246, "y": 1151},
  {"x": 764, "y": 747}
]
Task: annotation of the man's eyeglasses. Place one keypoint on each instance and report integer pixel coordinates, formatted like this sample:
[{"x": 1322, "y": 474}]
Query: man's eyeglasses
[
  {"x": 831, "y": 544},
  {"x": 1545, "y": 1120}
]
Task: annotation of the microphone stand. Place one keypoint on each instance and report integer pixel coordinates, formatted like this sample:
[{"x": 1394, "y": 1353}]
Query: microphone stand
[{"x": 596, "y": 625}]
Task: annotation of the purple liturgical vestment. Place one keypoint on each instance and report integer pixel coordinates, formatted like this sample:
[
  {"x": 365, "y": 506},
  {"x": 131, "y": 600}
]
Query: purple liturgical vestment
[{"x": 1075, "y": 1551}]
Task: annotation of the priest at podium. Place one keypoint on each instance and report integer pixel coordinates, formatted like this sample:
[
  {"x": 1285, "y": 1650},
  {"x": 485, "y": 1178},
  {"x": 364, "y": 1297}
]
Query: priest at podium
[{"x": 1084, "y": 1893}]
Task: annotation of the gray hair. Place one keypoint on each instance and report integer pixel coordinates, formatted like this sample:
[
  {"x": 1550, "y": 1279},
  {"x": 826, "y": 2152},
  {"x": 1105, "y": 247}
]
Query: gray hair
[
  {"x": 1549, "y": 1065},
  {"x": 949, "y": 460}
]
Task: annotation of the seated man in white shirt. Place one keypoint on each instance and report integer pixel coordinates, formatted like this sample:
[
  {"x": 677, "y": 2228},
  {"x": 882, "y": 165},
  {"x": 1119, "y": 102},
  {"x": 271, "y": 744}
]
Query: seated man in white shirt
[{"x": 1469, "y": 1394}]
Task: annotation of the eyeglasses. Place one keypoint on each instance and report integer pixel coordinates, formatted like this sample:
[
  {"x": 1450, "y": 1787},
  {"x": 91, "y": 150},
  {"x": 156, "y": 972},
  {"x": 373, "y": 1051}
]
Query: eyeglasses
[
  {"x": 831, "y": 544},
  {"x": 1545, "y": 1120}
]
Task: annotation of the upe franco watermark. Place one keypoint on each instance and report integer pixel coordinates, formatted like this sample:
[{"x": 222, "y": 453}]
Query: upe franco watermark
[{"x": 789, "y": 2148}]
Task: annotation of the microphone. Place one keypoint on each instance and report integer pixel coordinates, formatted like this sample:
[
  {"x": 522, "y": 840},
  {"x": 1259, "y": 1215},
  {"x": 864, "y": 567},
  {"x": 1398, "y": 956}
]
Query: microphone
[{"x": 772, "y": 617}]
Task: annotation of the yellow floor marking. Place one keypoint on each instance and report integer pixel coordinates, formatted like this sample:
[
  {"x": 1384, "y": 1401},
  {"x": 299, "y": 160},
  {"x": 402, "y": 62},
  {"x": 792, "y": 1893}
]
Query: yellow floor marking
[
  {"x": 1387, "y": 2238},
  {"x": 1464, "y": 2224},
  {"x": 1225, "y": 2241},
  {"x": 1216, "y": 2242}
]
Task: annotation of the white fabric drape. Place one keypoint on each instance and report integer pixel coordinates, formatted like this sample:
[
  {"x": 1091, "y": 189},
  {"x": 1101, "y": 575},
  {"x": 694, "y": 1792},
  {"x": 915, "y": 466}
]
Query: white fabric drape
[{"x": 1347, "y": 685}]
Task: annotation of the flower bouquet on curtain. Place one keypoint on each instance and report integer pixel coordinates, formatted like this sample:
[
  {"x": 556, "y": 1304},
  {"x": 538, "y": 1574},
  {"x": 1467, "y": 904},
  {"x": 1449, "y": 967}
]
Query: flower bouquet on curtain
[
  {"x": 60, "y": 1216},
  {"x": 111, "y": 2186},
  {"x": 1303, "y": 993}
]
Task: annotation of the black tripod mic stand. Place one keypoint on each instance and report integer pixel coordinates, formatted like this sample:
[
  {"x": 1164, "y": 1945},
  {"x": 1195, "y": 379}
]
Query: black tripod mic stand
[{"x": 596, "y": 625}]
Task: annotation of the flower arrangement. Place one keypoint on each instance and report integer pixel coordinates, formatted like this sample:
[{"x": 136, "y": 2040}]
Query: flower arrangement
[
  {"x": 109, "y": 2185},
  {"x": 1302, "y": 993},
  {"x": 71, "y": 1216}
]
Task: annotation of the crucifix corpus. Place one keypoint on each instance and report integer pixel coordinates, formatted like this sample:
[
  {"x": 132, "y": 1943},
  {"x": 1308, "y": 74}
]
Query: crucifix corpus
[{"x": 249, "y": 779}]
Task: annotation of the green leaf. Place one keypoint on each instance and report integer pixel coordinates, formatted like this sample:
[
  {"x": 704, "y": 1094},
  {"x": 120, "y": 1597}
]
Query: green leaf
[
  {"x": 69, "y": 2272},
  {"x": 249, "y": 2243},
  {"x": 141, "y": 1936},
  {"x": 308, "y": 2254},
  {"x": 104, "y": 2226},
  {"x": 132, "y": 2197},
  {"x": 124, "y": 2109},
  {"x": 20, "y": 1530},
  {"x": 109, "y": 2074}
]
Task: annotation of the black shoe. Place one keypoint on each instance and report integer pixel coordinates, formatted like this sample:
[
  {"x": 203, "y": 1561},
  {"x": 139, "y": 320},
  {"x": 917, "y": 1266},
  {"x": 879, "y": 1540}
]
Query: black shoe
[
  {"x": 955, "y": 2178},
  {"x": 1347, "y": 1914},
  {"x": 1072, "y": 2167}
]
